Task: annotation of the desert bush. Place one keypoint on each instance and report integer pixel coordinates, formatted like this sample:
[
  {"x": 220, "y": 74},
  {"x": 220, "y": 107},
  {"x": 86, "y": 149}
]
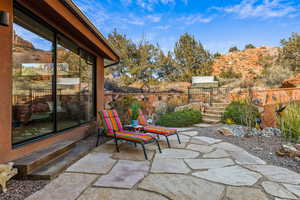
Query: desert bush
[
  {"x": 181, "y": 118},
  {"x": 289, "y": 122},
  {"x": 242, "y": 113},
  {"x": 230, "y": 73}
]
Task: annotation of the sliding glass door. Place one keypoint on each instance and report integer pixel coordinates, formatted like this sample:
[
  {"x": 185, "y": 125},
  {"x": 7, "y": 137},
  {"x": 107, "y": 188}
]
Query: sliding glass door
[{"x": 53, "y": 80}]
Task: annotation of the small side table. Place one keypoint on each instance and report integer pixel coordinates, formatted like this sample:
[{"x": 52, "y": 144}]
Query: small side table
[{"x": 134, "y": 128}]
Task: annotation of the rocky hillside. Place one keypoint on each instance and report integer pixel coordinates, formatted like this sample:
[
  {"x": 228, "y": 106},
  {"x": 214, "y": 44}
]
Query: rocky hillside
[{"x": 244, "y": 64}]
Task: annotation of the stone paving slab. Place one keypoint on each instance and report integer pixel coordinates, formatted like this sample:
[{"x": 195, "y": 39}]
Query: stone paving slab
[
  {"x": 295, "y": 189},
  {"x": 204, "y": 140},
  {"x": 117, "y": 194},
  {"x": 184, "y": 129},
  {"x": 67, "y": 186},
  {"x": 125, "y": 174},
  {"x": 182, "y": 187},
  {"x": 105, "y": 148},
  {"x": 221, "y": 171},
  {"x": 245, "y": 193},
  {"x": 235, "y": 176},
  {"x": 208, "y": 163},
  {"x": 245, "y": 158},
  {"x": 177, "y": 153},
  {"x": 219, "y": 153},
  {"x": 189, "y": 133},
  {"x": 276, "y": 174},
  {"x": 200, "y": 148},
  {"x": 97, "y": 163},
  {"x": 169, "y": 165},
  {"x": 129, "y": 152},
  {"x": 277, "y": 190}
]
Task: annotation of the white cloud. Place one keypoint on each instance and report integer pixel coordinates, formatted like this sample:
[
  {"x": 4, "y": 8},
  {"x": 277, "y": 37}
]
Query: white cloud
[
  {"x": 195, "y": 18},
  {"x": 263, "y": 9},
  {"x": 154, "y": 18}
]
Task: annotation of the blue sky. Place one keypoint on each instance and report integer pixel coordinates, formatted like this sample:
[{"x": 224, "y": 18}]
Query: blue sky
[{"x": 218, "y": 24}]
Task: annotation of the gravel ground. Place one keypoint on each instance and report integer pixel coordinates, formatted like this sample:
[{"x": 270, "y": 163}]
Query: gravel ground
[
  {"x": 262, "y": 147},
  {"x": 20, "y": 189}
]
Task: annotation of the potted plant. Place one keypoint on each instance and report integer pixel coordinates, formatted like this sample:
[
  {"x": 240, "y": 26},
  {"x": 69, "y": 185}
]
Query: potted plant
[{"x": 134, "y": 113}]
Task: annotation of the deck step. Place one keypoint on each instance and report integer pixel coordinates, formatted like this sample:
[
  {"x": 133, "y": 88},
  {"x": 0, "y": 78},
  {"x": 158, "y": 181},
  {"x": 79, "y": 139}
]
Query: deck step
[
  {"x": 35, "y": 160},
  {"x": 53, "y": 169}
]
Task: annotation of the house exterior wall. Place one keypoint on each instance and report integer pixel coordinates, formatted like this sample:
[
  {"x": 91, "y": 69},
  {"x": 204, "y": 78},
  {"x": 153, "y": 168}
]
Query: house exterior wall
[{"x": 7, "y": 151}]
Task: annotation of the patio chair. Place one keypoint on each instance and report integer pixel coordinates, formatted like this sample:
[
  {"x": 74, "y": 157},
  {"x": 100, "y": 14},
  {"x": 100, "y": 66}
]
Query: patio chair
[
  {"x": 114, "y": 129},
  {"x": 163, "y": 131}
]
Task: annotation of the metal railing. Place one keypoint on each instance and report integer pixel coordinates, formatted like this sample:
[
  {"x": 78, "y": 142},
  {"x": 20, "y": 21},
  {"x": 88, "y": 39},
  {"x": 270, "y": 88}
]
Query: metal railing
[{"x": 208, "y": 94}]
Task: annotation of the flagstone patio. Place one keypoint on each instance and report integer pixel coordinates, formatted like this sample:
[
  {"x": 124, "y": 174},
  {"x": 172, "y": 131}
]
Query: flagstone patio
[{"x": 200, "y": 168}]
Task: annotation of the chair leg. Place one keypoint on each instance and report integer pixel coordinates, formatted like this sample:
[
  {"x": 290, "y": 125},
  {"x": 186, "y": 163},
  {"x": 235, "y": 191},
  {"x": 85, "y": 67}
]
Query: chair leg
[
  {"x": 146, "y": 157},
  {"x": 159, "y": 149},
  {"x": 117, "y": 147},
  {"x": 100, "y": 131},
  {"x": 168, "y": 142},
  {"x": 178, "y": 138}
]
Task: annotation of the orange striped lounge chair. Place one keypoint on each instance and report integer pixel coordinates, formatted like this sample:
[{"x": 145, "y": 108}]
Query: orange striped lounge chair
[
  {"x": 158, "y": 130},
  {"x": 113, "y": 128}
]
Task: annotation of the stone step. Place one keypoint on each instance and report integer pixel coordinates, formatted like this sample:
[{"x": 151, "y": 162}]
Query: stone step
[
  {"x": 216, "y": 112},
  {"x": 53, "y": 169},
  {"x": 210, "y": 121},
  {"x": 35, "y": 160},
  {"x": 212, "y": 116},
  {"x": 224, "y": 105},
  {"x": 221, "y": 109}
]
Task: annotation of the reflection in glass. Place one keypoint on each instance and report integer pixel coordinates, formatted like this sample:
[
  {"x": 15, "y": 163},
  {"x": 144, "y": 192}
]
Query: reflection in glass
[
  {"x": 75, "y": 104},
  {"x": 32, "y": 104}
]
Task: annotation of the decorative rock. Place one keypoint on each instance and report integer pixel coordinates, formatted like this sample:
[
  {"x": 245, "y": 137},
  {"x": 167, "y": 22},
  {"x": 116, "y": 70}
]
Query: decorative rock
[
  {"x": 276, "y": 174},
  {"x": 6, "y": 172},
  {"x": 167, "y": 165},
  {"x": 244, "y": 193},
  {"x": 115, "y": 194},
  {"x": 125, "y": 174},
  {"x": 189, "y": 133},
  {"x": 67, "y": 186},
  {"x": 178, "y": 187},
  {"x": 177, "y": 153},
  {"x": 208, "y": 163},
  {"x": 96, "y": 163},
  {"x": 219, "y": 153},
  {"x": 205, "y": 140},
  {"x": 293, "y": 188},
  {"x": 200, "y": 148},
  {"x": 235, "y": 176},
  {"x": 277, "y": 190}
]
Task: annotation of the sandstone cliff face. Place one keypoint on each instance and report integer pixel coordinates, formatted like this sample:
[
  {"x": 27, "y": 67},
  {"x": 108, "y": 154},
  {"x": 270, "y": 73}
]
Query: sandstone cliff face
[
  {"x": 247, "y": 62},
  {"x": 19, "y": 42}
]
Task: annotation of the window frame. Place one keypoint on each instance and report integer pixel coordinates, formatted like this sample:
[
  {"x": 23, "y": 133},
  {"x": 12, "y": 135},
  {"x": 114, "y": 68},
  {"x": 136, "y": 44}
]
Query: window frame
[{"x": 54, "y": 81}]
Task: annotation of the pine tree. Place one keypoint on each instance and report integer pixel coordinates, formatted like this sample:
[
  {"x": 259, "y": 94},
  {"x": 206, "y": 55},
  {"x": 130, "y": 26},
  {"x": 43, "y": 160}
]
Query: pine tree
[{"x": 191, "y": 58}]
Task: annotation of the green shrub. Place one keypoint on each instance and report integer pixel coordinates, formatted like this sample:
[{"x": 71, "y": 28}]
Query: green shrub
[
  {"x": 181, "y": 118},
  {"x": 289, "y": 122},
  {"x": 241, "y": 113}
]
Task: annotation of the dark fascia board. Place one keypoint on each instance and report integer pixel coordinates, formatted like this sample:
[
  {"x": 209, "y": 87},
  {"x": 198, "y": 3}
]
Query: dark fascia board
[{"x": 76, "y": 11}]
